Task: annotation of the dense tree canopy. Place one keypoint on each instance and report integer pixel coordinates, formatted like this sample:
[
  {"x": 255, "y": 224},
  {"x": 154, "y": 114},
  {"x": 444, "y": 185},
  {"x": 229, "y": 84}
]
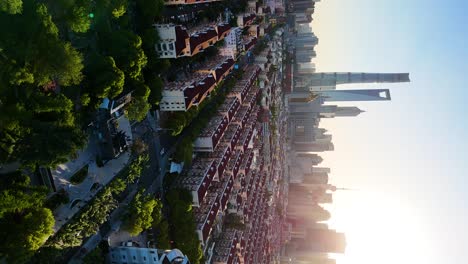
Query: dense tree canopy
[
  {"x": 39, "y": 129},
  {"x": 24, "y": 223},
  {"x": 125, "y": 47},
  {"x": 105, "y": 78},
  {"x": 11, "y": 6},
  {"x": 142, "y": 212},
  {"x": 137, "y": 109},
  {"x": 182, "y": 224},
  {"x": 27, "y": 41}
]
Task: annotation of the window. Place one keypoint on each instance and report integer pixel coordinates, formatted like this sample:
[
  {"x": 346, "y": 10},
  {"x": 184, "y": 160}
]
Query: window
[
  {"x": 171, "y": 46},
  {"x": 164, "y": 47}
]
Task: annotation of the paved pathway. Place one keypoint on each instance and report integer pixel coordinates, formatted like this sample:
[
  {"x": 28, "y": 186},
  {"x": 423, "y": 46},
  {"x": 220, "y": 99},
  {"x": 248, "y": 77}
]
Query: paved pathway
[{"x": 82, "y": 192}]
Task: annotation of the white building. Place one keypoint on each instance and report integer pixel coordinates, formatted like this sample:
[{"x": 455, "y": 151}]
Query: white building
[
  {"x": 124, "y": 255},
  {"x": 232, "y": 43}
]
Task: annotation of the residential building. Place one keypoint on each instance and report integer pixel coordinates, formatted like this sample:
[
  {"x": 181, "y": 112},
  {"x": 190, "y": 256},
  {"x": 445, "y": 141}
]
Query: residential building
[
  {"x": 176, "y": 41},
  {"x": 211, "y": 134}
]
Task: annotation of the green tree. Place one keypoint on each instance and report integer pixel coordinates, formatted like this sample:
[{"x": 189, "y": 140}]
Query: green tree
[
  {"x": 78, "y": 19},
  {"x": 137, "y": 109},
  {"x": 136, "y": 167},
  {"x": 150, "y": 10},
  {"x": 105, "y": 78},
  {"x": 96, "y": 256},
  {"x": 11, "y": 6},
  {"x": 119, "y": 7},
  {"x": 163, "y": 240},
  {"x": 24, "y": 223},
  {"x": 184, "y": 151},
  {"x": 127, "y": 51},
  {"x": 156, "y": 86},
  {"x": 141, "y": 213},
  {"x": 183, "y": 224},
  {"x": 118, "y": 186}
]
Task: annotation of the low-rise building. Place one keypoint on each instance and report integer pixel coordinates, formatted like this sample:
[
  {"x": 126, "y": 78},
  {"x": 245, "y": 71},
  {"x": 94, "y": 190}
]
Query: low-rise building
[
  {"x": 182, "y": 95},
  {"x": 205, "y": 216},
  {"x": 211, "y": 135},
  {"x": 244, "y": 20},
  {"x": 176, "y": 41},
  {"x": 198, "y": 179},
  {"x": 221, "y": 156},
  {"x": 230, "y": 107},
  {"x": 231, "y": 136}
]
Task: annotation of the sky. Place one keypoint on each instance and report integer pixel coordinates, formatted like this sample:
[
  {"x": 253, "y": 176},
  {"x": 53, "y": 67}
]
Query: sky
[{"x": 407, "y": 159}]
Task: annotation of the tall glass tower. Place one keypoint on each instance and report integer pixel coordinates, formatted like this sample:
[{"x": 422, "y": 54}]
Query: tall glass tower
[
  {"x": 335, "y": 78},
  {"x": 355, "y": 95}
]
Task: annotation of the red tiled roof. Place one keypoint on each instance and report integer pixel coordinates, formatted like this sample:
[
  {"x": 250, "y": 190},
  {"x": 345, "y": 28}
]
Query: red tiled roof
[
  {"x": 201, "y": 37},
  {"x": 181, "y": 36},
  {"x": 223, "y": 28},
  {"x": 223, "y": 68}
]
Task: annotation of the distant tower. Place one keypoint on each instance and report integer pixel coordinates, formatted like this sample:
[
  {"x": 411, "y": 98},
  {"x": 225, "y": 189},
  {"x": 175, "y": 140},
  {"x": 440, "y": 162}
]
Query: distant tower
[
  {"x": 330, "y": 111},
  {"x": 355, "y": 95},
  {"x": 334, "y": 78},
  {"x": 327, "y": 241}
]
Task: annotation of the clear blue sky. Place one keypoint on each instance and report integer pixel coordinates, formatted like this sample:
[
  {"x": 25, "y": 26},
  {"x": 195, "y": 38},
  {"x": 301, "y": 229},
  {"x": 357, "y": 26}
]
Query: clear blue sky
[{"x": 408, "y": 158}]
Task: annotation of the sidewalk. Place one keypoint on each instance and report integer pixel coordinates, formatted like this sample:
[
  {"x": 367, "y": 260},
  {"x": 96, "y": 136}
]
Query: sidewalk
[{"x": 82, "y": 193}]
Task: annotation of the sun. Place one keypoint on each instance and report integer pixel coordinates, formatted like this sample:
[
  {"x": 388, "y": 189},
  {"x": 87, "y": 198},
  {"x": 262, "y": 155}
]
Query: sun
[{"x": 379, "y": 229}]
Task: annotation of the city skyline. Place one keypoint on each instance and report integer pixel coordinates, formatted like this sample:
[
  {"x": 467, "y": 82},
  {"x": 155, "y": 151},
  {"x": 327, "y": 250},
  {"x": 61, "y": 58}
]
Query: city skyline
[{"x": 404, "y": 156}]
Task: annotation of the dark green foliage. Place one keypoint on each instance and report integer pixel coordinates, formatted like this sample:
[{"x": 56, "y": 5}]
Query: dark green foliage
[
  {"x": 149, "y": 10},
  {"x": 126, "y": 50},
  {"x": 28, "y": 114},
  {"x": 184, "y": 151},
  {"x": 105, "y": 79},
  {"x": 182, "y": 225},
  {"x": 137, "y": 109},
  {"x": 11, "y": 6},
  {"x": 96, "y": 256},
  {"x": 156, "y": 86},
  {"x": 26, "y": 43},
  {"x": 117, "y": 186},
  {"x": 163, "y": 240},
  {"x": 24, "y": 223},
  {"x": 136, "y": 167},
  {"x": 80, "y": 175},
  {"x": 142, "y": 212},
  {"x": 119, "y": 7},
  {"x": 58, "y": 198}
]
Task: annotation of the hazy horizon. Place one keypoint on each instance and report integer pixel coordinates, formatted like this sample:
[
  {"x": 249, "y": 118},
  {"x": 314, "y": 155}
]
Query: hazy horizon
[{"x": 405, "y": 158}]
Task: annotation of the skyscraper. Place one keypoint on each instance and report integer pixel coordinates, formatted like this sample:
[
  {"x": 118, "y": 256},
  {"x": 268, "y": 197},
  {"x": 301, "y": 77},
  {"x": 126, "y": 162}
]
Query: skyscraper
[
  {"x": 323, "y": 81},
  {"x": 355, "y": 95},
  {"x": 335, "y": 78},
  {"x": 330, "y": 111}
]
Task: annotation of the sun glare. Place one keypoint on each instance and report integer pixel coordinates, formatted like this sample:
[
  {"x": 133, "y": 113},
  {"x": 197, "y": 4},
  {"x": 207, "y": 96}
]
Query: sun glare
[{"x": 379, "y": 230}]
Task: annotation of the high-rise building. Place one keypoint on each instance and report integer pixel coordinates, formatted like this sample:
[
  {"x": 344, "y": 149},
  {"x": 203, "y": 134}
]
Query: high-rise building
[
  {"x": 355, "y": 95},
  {"x": 329, "y": 241},
  {"x": 335, "y": 78},
  {"x": 330, "y": 111},
  {"x": 313, "y": 147},
  {"x": 323, "y": 81}
]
